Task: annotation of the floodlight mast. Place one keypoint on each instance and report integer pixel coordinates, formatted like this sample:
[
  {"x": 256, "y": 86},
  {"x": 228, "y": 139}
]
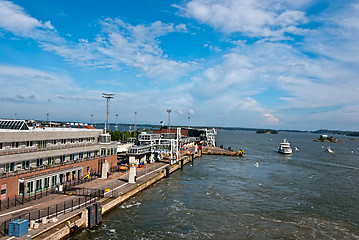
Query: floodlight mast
[
  {"x": 108, "y": 96},
  {"x": 169, "y": 120},
  {"x": 116, "y": 122}
]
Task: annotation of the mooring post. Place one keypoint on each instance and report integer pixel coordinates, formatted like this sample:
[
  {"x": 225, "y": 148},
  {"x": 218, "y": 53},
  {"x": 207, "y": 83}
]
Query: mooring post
[{"x": 167, "y": 171}]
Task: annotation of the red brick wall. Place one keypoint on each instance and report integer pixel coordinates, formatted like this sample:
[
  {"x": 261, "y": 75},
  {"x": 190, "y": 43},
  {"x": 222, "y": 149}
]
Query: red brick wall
[{"x": 12, "y": 182}]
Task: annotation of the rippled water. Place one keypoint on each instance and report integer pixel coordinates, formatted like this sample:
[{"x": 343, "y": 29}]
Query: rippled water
[{"x": 310, "y": 194}]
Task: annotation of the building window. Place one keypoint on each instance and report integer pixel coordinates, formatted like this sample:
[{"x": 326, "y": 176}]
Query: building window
[
  {"x": 30, "y": 187},
  {"x": 62, "y": 158},
  {"x": 39, "y": 162},
  {"x": 88, "y": 169},
  {"x": 54, "y": 180},
  {"x": 63, "y": 141},
  {"x": 72, "y": 140},
  {"x": 81, "y": 139},
  {"x": 54, "y": 142},
  {"x": 88, "y": 154},
  {"x": 25, "y": 164},
  {"x": 72, "y": 157},
  {"x": 81, "y": 155},
  {"x": 9, "y": 167},
  {"x": 15, "y": 145},
  {"x": 38, "y": 185},
  {"x": 47, "y": 182},
  {"x": 41, "y": 144},
  {"x": 50, "y": 160},
  {"x": 0, "y": 145},
  {"x": 29, "y": 143}
]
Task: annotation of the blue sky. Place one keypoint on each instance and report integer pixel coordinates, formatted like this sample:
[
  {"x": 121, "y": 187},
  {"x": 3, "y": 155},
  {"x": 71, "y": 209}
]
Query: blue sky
[{"x": 269, "y": 64}]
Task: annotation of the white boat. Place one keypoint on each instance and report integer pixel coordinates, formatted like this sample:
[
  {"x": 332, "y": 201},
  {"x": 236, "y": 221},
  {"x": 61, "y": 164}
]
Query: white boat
[
  {"x": 285, "y": 147},
  {"x": 329, "y": 150}
]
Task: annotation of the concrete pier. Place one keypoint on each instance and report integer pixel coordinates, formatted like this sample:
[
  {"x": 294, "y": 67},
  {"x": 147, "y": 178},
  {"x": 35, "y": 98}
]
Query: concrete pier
[{"x": 116, "y": 196}]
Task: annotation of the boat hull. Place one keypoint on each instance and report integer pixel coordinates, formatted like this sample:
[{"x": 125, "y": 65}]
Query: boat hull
[{"x": 285, "y": 151}]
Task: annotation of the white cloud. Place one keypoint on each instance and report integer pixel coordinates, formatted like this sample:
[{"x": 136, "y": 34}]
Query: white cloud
[
  {"x": 13, "y": 18},
  {"x": 254, "y": 18}
]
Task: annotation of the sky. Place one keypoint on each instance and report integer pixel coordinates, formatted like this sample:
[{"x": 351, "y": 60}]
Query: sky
[{"x": 279, "y": 64}]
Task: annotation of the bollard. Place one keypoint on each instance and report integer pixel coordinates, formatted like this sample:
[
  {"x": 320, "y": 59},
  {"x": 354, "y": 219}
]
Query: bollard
[{"x": 167, "y": 171}]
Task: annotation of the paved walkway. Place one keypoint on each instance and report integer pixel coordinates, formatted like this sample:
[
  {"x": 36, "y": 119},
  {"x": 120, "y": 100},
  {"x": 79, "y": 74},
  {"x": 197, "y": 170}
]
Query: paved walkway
[{"x": 117, "y": 183}]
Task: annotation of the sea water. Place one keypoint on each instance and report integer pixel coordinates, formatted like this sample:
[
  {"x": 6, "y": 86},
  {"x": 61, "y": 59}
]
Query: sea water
[{"x": 310, "y": 194}]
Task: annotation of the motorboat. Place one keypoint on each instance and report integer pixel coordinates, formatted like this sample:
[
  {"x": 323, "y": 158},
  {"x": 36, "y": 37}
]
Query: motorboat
[{"x": 285, "y": 147}]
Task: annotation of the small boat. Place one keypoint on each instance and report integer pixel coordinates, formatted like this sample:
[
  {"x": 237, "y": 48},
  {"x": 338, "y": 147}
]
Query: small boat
[
  {"x": 285, "y": 147},
  {"x": 241, "y": 153},
  {"x": 329, "y": 150}
]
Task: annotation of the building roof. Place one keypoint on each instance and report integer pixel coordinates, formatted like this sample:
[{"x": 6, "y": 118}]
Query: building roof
[{"x": 13, "y": 124}]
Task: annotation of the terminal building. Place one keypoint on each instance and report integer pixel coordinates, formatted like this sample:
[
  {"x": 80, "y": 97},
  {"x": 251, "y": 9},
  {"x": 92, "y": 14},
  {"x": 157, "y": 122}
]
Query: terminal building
[{"x": 35, "y": 157}]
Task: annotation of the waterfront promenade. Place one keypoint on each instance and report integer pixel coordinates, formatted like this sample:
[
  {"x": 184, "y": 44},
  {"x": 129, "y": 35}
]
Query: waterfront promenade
[
  {"x": 117, "y": 183},
  {"x": 117, "y": 191}
]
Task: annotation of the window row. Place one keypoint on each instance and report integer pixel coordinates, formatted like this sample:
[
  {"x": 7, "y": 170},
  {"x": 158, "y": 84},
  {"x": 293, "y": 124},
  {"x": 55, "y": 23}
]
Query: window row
[
  {"x": 45, "y": 143},
  {"x": 29, "y": 164}
]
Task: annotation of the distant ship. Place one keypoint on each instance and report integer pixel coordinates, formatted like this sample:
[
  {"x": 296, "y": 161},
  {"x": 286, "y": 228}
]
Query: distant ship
[{"x": 285, "y": 147}]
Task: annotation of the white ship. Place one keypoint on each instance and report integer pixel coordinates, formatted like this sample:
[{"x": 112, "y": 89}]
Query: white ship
[{"x": 285, "y": 147}]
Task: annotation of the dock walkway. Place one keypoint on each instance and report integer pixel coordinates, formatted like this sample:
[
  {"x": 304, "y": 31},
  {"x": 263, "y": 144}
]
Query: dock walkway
[{"x": 119, "y": 190}]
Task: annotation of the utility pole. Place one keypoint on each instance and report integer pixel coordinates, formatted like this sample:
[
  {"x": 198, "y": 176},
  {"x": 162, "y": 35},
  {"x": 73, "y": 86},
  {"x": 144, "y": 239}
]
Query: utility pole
[
  {"x": 47, "y": 117},
  {"x": 116, "y": 122},
  {"x": 91, "y": 120},
  {"x": 108, "y": 96},
  {"x": 169, "y": 120},
  {"x": 189, "y": 118}
]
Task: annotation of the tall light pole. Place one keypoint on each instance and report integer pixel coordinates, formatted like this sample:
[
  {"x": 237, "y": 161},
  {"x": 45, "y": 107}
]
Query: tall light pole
[
  {"x": 135, "y": 124},
  {"x": 15, "y": 116},
  {"x": 169, "y": 120},
  {"x": 47, "y": 117},
  {"x": 189, "y": 118},
  {"x": 108, "y": 96},
  {"x": 91, "y": 120},
  {"x": 116, "y": 122}
]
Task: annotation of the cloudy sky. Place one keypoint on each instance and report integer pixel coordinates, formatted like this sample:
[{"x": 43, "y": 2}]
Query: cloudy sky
[{"x": 279, "y": 64}]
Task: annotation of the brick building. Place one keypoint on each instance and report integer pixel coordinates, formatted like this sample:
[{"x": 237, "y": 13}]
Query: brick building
[{"x": 36, "y": 158}]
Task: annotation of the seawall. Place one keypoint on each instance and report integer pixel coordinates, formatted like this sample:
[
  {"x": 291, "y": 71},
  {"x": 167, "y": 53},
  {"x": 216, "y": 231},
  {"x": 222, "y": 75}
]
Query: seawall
[{"x": 77, "y": 220}]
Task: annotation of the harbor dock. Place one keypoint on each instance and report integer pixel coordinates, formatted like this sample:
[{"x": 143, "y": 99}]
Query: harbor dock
[
  {"x": 211, "y": 150},
  {"x": 116, "y": 190}
]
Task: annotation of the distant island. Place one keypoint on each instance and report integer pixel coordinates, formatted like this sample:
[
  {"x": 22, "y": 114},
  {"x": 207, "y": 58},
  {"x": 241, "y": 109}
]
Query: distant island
[
  {"x": 325, "y": 138},
  {"x": 267, "y": 131}
]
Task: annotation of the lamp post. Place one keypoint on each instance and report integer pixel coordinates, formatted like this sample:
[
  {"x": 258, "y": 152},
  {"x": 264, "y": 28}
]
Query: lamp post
[
  {"x": 91, "y": 120},
  {"x": 108, "y": 96},
  {"x": 169, "y": 120},
  {"x": 116, "y": 122}
]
